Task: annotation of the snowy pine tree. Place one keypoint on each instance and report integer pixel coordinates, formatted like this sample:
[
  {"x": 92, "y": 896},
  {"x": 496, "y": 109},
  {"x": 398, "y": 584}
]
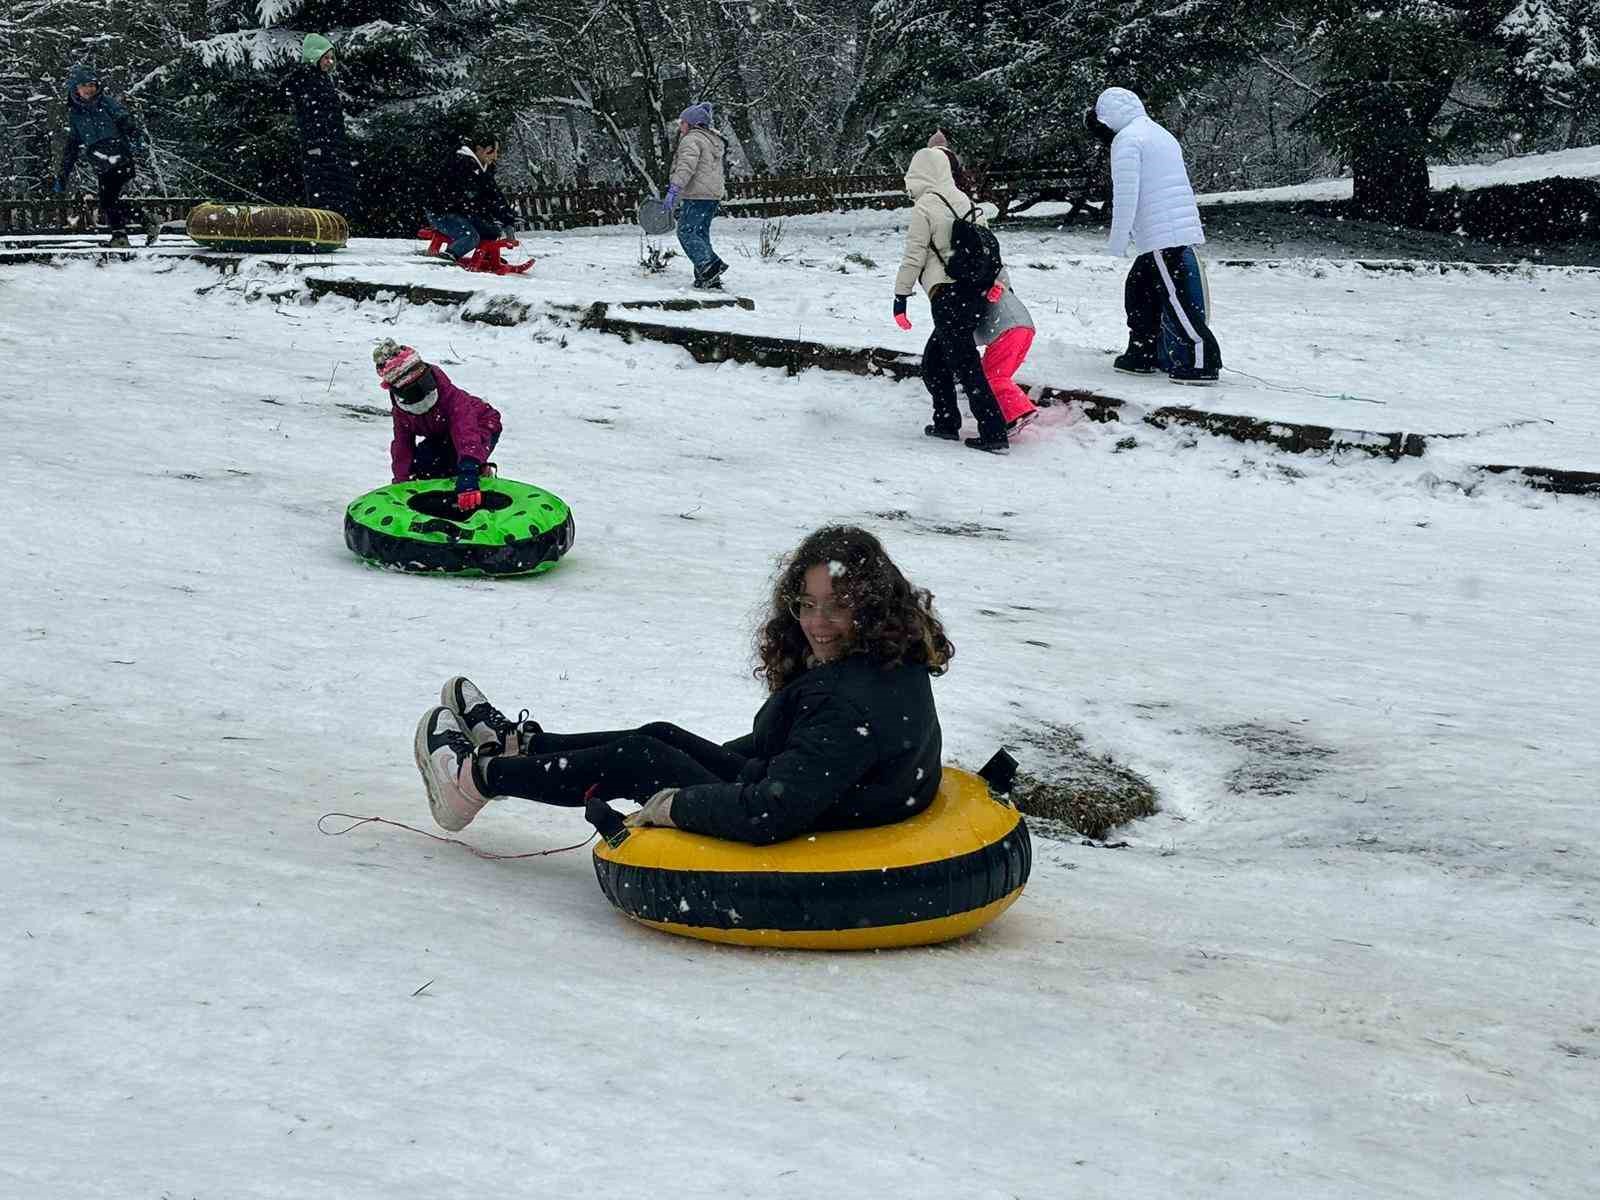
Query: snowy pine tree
[
  {"x": 1552, "y": 73},
  {"x": 1009, "y": 83}
]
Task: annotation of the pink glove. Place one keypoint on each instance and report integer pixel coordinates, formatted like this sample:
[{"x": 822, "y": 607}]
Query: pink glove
[
  {"x": 993, "y": 294},
  {"x": 902, "y": 320},
  {"x": 467, "y": 501}
]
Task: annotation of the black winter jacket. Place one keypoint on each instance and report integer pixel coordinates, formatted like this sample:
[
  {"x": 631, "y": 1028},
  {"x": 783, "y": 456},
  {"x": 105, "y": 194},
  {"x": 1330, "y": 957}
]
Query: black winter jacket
[
  {"x": 462, "y": 188},
  {"x": 318, "y": 111},
  {"x": 89, "y": 124},
  {"x": 849, "y": 744}
]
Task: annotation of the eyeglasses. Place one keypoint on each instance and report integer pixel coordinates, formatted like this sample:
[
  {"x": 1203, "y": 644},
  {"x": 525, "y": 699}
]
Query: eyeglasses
[{"x": 802, "y": 608}]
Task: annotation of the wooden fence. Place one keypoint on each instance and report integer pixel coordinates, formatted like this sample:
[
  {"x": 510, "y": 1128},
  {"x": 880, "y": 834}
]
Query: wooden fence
[
  {"x": 614, "y": 204},
  {"x": 79, "y": 215}
]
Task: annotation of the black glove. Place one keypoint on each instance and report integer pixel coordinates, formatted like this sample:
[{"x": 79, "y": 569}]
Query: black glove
[{"x": 468, "y": 497}]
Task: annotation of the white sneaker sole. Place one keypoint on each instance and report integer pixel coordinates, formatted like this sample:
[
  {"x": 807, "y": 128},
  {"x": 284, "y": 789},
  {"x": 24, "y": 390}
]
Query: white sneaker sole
[{"x": 444, "y": 816}]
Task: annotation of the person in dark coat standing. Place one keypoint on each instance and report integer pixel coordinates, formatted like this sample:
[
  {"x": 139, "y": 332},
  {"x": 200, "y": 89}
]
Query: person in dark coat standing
[
  {"x": 99, "y": 125},
  {"x": 318, "y": 111},
  {"x": 466, "y": 204},
  {"x": 848, "y": 738}
]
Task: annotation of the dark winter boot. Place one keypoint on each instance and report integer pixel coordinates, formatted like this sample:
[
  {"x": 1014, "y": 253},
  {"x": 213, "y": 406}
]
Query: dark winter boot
[
  {"x": 990, "y": 445},
  {"x": 1138, "y": 359},
  {"x": 1193, "y": 375},
  {"x": 485, "y": 724},
  {"x": 943, "y": 432}
]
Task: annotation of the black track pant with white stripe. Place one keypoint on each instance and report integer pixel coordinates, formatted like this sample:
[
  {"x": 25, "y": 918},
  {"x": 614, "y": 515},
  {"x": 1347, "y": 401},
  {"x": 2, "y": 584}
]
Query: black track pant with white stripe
[{"x": 1161, "y": 281}]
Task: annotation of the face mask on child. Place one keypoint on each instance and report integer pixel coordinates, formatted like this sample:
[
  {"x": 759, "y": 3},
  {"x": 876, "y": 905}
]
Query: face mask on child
[{"x": 417, "y": 397}]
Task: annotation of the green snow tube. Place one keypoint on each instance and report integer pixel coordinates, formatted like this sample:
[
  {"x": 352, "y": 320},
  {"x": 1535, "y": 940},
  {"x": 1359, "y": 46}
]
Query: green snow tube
[{"x": 415, "y": 526}]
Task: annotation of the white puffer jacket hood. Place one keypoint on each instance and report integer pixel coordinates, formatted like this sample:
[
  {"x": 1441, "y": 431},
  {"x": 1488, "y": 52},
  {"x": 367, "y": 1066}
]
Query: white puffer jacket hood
[
  {"x": 1118, "y": 108},
  {"x": 1152, "y": 201}
]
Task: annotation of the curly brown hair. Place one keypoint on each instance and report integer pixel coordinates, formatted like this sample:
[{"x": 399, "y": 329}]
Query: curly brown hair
[{"x": 893, "y": 620}]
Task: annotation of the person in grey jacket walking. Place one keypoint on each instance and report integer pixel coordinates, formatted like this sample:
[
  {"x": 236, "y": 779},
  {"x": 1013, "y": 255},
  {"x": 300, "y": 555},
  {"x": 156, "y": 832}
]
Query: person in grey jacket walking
[
  {"x": 697, "y": 186},
  {"x": 98, "y": 124},
  {"x": 1153, "y": 206}
]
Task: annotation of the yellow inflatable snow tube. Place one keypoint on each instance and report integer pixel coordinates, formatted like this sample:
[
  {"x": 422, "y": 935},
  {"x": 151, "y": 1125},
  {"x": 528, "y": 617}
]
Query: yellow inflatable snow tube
[
  {"x": 256, "y": 228},
  {"x": 941, "y": 874}
]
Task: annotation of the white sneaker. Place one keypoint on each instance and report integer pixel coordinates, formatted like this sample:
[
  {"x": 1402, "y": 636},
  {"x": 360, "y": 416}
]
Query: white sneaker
[
  {"x": 483, "y": 722},
  {"x": 444, "y": 756}
]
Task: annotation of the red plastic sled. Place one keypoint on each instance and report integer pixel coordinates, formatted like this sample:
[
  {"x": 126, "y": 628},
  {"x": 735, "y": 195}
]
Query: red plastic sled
[{"x": 485, "y": 258}]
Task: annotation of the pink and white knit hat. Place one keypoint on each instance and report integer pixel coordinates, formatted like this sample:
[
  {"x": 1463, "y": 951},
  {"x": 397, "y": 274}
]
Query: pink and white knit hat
[{"x": 396, "y": 364}]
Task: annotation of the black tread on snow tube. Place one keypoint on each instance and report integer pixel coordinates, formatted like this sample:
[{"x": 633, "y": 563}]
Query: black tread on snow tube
[
  {"x": 827, "y": 900},
  {"x": 513, "y": 558},
  {"x": 518, "y": 529}
]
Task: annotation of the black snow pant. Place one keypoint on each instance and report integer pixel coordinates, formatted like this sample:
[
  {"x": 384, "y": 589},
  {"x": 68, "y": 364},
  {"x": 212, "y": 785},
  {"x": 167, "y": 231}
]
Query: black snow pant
[
  {"x": 329, "y": 183},
  {"x": 435, "y": 457},
  {"x": 1158, "y": 282},
  {"x": 951, "y": 356},
  {"x": 619, "y": 764},
  {"x": 114, "y": 169}
]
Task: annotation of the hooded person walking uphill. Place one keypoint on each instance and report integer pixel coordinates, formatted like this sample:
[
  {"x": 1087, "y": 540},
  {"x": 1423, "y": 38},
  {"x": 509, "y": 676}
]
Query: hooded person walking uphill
[
  {"x": 1153, "y": 206},
  {"x": 98, "y": 124},
  {"x": 697, "y": 185},
  {"x": 319, "y": 113},
  {"x": 951, "y": 354}
]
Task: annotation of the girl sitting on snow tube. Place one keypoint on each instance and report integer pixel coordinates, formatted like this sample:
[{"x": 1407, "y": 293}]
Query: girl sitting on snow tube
[
  {"x": 458, "y": 431},
  {"x": 848, "y": 738}
]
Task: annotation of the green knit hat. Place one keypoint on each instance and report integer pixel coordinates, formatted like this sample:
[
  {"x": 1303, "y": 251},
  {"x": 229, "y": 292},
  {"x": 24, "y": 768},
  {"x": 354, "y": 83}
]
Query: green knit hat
[{"x": 313, "y": 48}]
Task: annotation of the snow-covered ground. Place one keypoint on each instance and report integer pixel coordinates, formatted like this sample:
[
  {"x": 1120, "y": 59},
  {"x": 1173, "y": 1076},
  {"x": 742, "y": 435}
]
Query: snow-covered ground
[{"x": 1354, "y": 956}]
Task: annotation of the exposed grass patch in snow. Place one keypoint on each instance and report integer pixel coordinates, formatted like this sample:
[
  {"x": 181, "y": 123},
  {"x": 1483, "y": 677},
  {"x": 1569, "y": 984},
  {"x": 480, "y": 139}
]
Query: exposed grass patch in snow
[{"x": 1093, "y": 793}]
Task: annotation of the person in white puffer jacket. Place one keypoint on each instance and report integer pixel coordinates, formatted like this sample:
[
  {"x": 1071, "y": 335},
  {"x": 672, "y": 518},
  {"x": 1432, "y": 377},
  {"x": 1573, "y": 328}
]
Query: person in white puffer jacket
[{"x": 1153, "y": 206}]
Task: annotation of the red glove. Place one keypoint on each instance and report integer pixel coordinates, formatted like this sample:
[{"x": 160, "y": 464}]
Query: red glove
[
  {"x": 993, "y": 294},
  {"x": 467, "y": 501},
  {"x": 902, "y": 320}
]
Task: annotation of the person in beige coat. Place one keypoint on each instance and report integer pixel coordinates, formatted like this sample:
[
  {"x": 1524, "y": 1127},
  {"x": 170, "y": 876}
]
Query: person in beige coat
[
  {"x": 697, "y": 186},
  {"x": 951, "y": 355}
]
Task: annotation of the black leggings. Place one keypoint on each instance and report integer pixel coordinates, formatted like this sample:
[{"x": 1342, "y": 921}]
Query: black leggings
[
  {"x": 113, "y": 165},
  {"x": 951, "y": 356},
  {"x": 619, "y": 764}
]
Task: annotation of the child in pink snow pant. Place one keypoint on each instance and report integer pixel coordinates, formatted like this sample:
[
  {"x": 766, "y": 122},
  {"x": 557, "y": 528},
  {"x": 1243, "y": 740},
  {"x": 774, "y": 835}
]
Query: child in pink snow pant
[{"x": 1006, "y": 333}]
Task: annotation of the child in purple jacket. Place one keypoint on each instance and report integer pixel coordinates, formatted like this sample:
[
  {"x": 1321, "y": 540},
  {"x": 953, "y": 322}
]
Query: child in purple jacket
[{"x": 458, "y": 431}]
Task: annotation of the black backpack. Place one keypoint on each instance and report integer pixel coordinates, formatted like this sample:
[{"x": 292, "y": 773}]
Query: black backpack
[{"x": 974, "y": 251}]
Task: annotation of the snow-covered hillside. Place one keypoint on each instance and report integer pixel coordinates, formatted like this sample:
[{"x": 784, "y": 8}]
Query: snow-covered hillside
[{"x": 1352, "y": 957}]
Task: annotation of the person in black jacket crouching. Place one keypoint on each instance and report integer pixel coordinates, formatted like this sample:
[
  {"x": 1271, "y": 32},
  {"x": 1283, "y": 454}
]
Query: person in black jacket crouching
[
  {"x": 848, "y": 738},
  {"x": 466, "y": 203}
]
